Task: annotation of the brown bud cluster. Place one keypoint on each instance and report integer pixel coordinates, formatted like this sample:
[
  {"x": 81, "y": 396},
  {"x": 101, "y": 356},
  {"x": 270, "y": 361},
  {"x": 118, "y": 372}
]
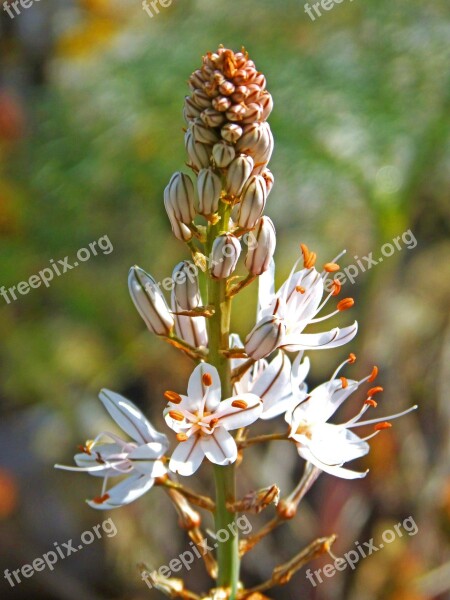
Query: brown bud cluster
[{"x": 226, "y": 112}]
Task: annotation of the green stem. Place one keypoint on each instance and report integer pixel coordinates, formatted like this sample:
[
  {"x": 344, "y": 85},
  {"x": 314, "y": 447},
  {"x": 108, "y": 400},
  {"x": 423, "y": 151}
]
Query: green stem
[{"x": 225, "y": 478}]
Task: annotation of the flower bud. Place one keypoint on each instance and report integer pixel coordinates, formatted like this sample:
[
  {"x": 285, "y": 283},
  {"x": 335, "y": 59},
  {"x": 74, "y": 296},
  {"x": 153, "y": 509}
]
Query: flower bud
[
  {"x": 268, "y": 178},
  {"x": 202, "y": 133},
  {"x": 199, "y": 154},
  {"x": 190, "y": 329},
  {"x": 226, "y": 88},
  {"x": 186, "y": 288},
  {"x": 236, "y": 112},
  {"x": 212, "y": 118},
  {"x": 223, "y": 154},
  {"x": 266, "y": 102},
  {"x": 231, "y": 132},
  {"x": 252, "y": 203},
  {"x": 221, "y": 103},
  {"x": 191, "y": 110},
  {"x": 179, "y": 198},
  {"x": 252, "y": 113},
  {"x": 201, "y": 99},
  {"x": 238, "y": 173},
  {"x": 180, "y": 230},
  {"x": 262, "y": 248},
  {"x": 150, "y": 302},
  {"x": 257, "y": 140},
  {"x": 224, "y": 255},
  {"x": 265, "y": 337},
  {"x": 209, "y": 187}
]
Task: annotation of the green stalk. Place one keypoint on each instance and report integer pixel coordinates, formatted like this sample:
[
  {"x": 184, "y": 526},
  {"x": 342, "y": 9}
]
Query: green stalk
[{"x": 225, "y": 478}]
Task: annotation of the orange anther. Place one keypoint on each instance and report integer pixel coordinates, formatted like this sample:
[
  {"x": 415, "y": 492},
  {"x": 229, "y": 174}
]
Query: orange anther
[
  {"x": 172, "y": 397},
  {"x": 309, "y": 258},
  {"x": 239, "y": 404},
  {"x": 300, "y": 289},
  {"x": 207, "y": 379},
  {"x": 371, "y": 402},
  {"x": 374, "y": 374},
  {"x": 344, "y": 381},
  {"x": 345, "y": 303},
  {"x": 375, "y": 390},
  {"x": 213, "y": 422},
  {"x": 351, "y": 358},
  {"x": 384, "y": 425},
  {"x": 182, "y": 437},
  {"x": 100, "y": 499},
  {"x": 331, "y": 267},
  {"x": 336, "y": 288},
  {"x": 176, "y": 415}
]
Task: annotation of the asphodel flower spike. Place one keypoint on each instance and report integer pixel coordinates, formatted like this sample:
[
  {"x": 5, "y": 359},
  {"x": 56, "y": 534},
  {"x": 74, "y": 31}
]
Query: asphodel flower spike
[
  {"x": 202, "y": 421},
  {"x": 139, "y": 459}
]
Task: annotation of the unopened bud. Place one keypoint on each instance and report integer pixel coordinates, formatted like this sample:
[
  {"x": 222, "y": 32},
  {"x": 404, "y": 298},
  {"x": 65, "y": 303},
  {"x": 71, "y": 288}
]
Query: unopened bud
[
  {"x": 266, "y": 102},
  {"x": 257, "y": 140},
  {"x": 201, "y": 99},
  {"x": 265, "y": 337},
  {"x": 261, "y": 252},
  {"x": 223, "y": 154},
  {"x": 224, "y": 255},
  {"x": 179, "y": 198},
  {"x": 268, "y": 178},
  {"x": 186, "y": 286},
  {"x": 221, "y": 103},
  {"x": 212, "y": 117},
  {"x": 191, "y": 110},
  {"x": 231, "y": 132},
  {"x": 252, "y": 203},
  {"x": 238, "y": 173},
  {"x": 252, "y": 113},
  {"x": 180, "y": 230},
  {"x": 199, "y": 154},
  {"x": 150, "y": 302},
  {"x": 202, "y": 133},
  {"x": 209, "y": 187},
  {"x": 236, "y": 112}
]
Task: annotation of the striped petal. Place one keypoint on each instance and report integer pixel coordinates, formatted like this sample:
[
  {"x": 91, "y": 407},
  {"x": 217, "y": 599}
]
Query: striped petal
[
  {"x": 187, "y": 456},
  {"x": 220, "y": 447},
  {"x": 126, "y": 491}
]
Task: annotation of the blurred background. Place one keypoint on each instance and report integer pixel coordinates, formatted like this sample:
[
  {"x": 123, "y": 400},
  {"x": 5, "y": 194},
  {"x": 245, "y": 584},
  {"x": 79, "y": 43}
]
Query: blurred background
[{"x": 91, "y": 93}]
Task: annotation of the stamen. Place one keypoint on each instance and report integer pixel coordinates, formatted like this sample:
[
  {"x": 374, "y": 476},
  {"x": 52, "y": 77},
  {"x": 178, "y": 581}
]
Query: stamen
[
  {"x": 172, "y": 397},
  {"x": 373, "y": 421},
  {"x": 384, "y": 425},
  {"x": 345, "y": 304},
  {"x": 375, "y": 390},
  {"x": 309, "y": 258},
  {"x": 207, "y": 379},
  {"x": 331, "y": 267},
  {"x": 344, "y": 382},
  {"x": 374, "y": 374},
  {"x": 84, "y": 449},
  {"x": 351, "y": 358},
  {"x": 101, "y": 499},
  {"x": 300, "y": 289},
  {"x": 336, "y": 288},
  {"x": 239, "y": 404},
  {"x": 371, "y": 402},
  {"x": 182, "y": 437},
  {"x": 176, "y": 415},
  {"x": 213, "y": 423}
]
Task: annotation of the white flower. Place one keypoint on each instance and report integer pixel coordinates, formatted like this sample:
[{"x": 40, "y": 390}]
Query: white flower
[
  {"x": 140, "y": 459},
  {"x": 293, "y": 307},
  {"x": 269, "y": 381},
  {"x": 202, "y": 421},
  {"x": 326, "y": 445}
]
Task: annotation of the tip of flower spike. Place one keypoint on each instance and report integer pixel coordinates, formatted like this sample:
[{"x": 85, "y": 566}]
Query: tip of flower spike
[
  {"x": 375, "y": 390},
  {"x": 336, "y": 287},
  {"x": 345, "y": 304},
  {"x": 381, "y": 426},
  {"x": 344, "y": 382},
  {"x": 239, "y": 404},
  {"x": 100, "y": 499},
  {"x": 172, "y": 397},
  {"x": 207, "y": 379},
  {"x": 351, "y": 358},
  {"x": 331, "y": 267},
  {"x": 374, "y": 374}
]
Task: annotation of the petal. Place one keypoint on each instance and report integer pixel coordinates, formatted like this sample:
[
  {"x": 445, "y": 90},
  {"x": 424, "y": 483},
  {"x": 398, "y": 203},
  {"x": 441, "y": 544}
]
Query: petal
[
  {"x": 334, "y": 446},
  {"x": 319, "y": 341},
  {"x": 299, "y": 373},
  {"x": 109, "y": 453},
  {"x": 187, "y": 456},
  {"x": 126, "y": 491},
  {"x": 131, "y": 419},
  {"x": 220, "y": 447},
  {"x": 145, "y": 460},
  {"x": 273, "y": 386},
  {"x": 232, "y": 417},
  {"x": 332, "y": 470},
  {"x": 266, "y": 289},
  {"x": 324, "y": 400},
  {"x": 197, "y": 389},
  {"x": 191, "y": 329}
]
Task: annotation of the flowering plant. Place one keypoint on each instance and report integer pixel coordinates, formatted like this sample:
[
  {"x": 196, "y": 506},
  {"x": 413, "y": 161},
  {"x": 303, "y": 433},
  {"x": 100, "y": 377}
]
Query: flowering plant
[{"x": 216, "y": 213}]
